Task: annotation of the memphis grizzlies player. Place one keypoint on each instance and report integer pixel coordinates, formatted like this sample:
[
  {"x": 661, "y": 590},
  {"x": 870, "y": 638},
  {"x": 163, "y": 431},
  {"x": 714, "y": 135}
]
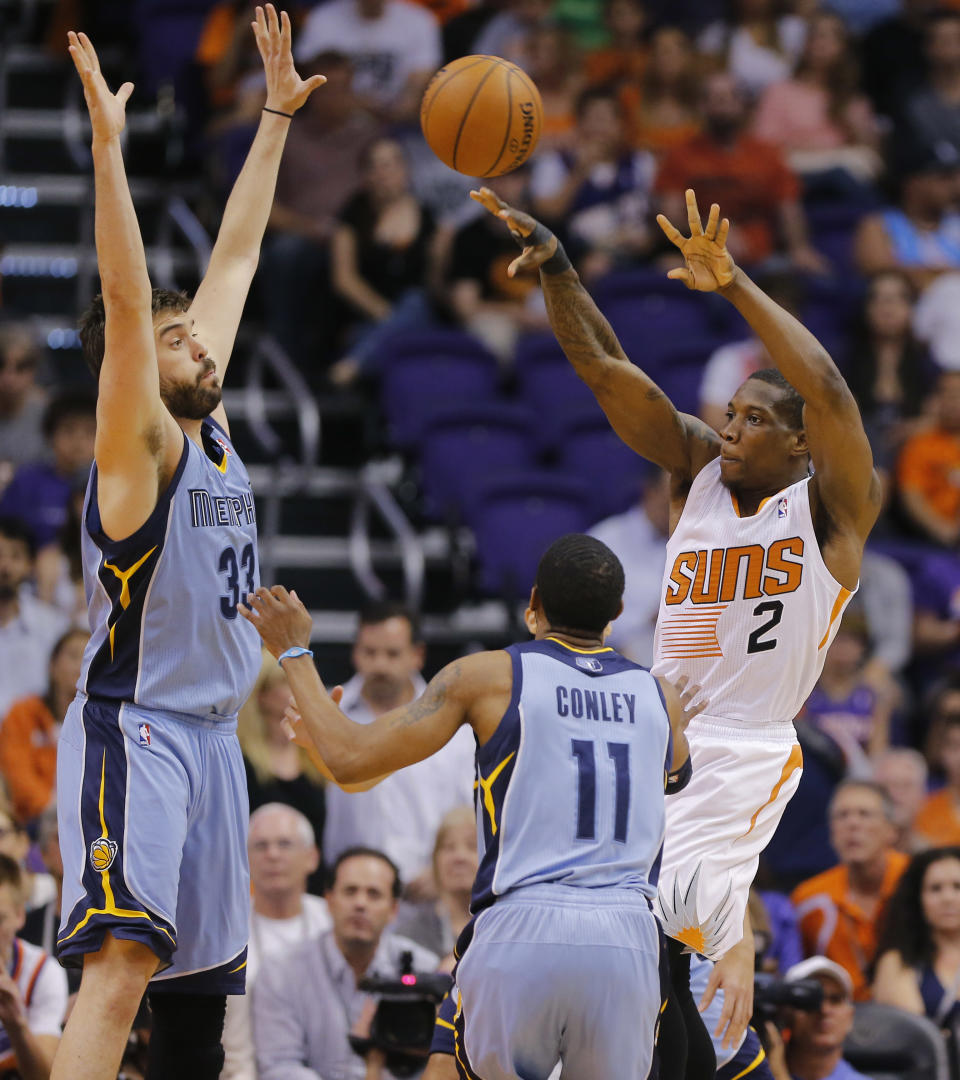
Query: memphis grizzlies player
[
  {"x": 150, "y": 786},
  {"x": 574, "y": 747}
]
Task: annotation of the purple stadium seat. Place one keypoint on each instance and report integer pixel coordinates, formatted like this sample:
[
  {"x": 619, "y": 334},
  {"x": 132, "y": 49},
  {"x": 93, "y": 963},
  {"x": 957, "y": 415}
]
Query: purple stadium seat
[
  {"x": 433, "y": 341},
  {"x": 515, "y": 519},
  {"x": 464, "y": 447},
  {"x": 681, "y": 372},
  {"x": 553, "y": 391},
  {"x": 415, "y": 388},
  {"x": 613, "y": 473}
]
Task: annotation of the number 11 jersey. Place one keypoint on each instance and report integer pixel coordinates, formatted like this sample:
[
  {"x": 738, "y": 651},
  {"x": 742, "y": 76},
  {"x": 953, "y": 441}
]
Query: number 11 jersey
[
  {"x": 748, "y": 607},
  {"x": 165, "y": 632}
]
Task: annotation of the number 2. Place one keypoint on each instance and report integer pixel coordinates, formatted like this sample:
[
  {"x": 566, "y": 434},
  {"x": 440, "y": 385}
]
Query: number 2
[
  {"x": 583, "y": 751},
  {"x": 754, "y": 644},
  {"x": 228, "y": 565}
]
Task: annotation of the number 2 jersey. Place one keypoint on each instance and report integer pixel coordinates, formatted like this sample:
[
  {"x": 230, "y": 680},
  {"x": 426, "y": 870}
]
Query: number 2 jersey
[
  {"x": 570, "y": 787},
  {"x": 748, "y": 607},
  {"x": 165, "y": 631}
]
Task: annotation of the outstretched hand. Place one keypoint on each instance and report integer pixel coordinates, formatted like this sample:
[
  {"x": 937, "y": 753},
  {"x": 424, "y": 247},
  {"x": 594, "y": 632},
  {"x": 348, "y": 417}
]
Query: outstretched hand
[
  {"x": 280, "y": 618},
  {"x": 520, "y": 225},
  {"x": 286, "y": 91},
  {"x": 691, "y": 704},
  {"x": 709, "y": 266},
  {"x": 107, "y": 111}
]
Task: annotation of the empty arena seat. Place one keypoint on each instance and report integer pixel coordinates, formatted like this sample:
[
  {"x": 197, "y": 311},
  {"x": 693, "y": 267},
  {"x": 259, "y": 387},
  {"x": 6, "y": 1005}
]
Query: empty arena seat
[
  {"x": 592, "y": 451},
  {"x": 889, "y": 1044},
  {"x": 463, "y": 447},
  {"x": 433, "y": 341},
  {"x": 553, "y": 391},
  {"x": 515, "y": 519}
]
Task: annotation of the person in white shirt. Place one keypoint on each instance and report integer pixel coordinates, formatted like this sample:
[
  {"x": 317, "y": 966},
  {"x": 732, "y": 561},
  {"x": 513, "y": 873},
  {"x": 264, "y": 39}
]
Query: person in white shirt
[
  {"x": 401, "y": 815},
  {"x": 33, "y": 989},
  {"x": 283, "y": 916},
  {"x": 394, "y": 46},
  {"x": 638, "y": 538}
]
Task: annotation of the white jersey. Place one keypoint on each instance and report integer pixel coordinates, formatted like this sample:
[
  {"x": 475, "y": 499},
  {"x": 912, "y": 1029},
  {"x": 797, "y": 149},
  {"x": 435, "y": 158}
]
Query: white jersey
[{"x": 748, "y": 606}]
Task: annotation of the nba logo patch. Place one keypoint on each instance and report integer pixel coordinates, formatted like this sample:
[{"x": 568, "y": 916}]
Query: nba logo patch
[
  {"x": 782, "y": 508},
  {"x": 144, "y": 731},
  {"x": 589, "y": 664}
]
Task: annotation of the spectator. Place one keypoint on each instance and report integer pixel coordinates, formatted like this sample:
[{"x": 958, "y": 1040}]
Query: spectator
[
  {"x": 862, "y": 15},
  {"x": 551, "y": 60},
  {"x": 28, "y": 737},
  {"x": 902, "y": 773},
  {"x": 380, "y": 253},
  {"x": 39, "y": 493},
  {"x": 34, "y": 989},
  {"x": 732, "y": 364},
  {"x": 59, "y": 566},
  {"x": 932, "y": 113},
  {"x": 401, "y": 815},
  {"x": 885, "y": 600},
  {"x": 394, "y": 46},
  {"x": 820, "y": 119},
  {"x": 839, "y": 910},
  {"x": 39, "y": 887},
  {"x": 920, "y": 234},
  {"x": 507, "y": 32},
  {"x": 816, "y": 1041},
  {"x": 757, "y": 46},
  {"x": 919, "y": 956},
  {"x": 28, "y": 628},
  {"x": 21, "y": 401},
  {"x": 894, "y": 64},
  {"x": 938, "y": 821},
  {"x": 887, "y": 368},
  {"x": 638, "y": 538},
  {"x": 624, "y": 58},
  {"x": 437, "y": 924},
  {"x": 662, "y": 105},
  {"x": 928, "y": 471},
  {"x": 854, "y": 712},
  {"x": 776, "y": 937},
  {"x": 278, "y": 771},
  {"x": 484, "y": 298},
  {"x": 936, "y": 320},
  {"x": 599, "y": 190},
  {"x": 306, "y": 1002},
  {"x": 747, "y": 177},
  {"x": 284, "y": 917},
  {"x": 331, "y": 132},
  {"x": 936, "y": 628}
]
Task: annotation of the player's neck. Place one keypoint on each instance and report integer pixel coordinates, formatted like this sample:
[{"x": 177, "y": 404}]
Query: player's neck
[
  {"x": 278, "y": 905},
  {"x": 812, "y": 1064},
  {"x": 749, "y": 500},
  {"x": 192, "y": 429},
  {"x": 578, "y": 641}
]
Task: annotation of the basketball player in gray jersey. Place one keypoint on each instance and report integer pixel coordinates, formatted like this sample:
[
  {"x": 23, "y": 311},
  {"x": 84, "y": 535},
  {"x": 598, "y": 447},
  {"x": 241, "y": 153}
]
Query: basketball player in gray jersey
[
  {"x": 574, "y": 747},
  {"x": 151, "y": 792}
]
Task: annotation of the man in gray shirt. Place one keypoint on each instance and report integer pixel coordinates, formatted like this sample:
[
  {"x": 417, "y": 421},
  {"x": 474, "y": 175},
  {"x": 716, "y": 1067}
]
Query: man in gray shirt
[{"x": 306, "y": 1002}]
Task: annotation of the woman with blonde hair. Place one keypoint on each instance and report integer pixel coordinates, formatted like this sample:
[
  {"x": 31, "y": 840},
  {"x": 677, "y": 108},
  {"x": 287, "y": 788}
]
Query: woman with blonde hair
[{"x": 278, "y": 770}]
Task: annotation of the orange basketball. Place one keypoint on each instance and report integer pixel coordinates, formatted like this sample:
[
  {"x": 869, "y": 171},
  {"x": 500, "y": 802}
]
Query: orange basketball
[{"x": 481, "y": 115}]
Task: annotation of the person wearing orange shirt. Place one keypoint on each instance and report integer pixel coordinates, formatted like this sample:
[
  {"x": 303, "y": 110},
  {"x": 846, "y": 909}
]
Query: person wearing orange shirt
[
  {"x": 838, "y": 911},
  {"x": 928, "y": 472},
  {"x": 28, "y": 737},
  {"x": 938, "y": 821}
]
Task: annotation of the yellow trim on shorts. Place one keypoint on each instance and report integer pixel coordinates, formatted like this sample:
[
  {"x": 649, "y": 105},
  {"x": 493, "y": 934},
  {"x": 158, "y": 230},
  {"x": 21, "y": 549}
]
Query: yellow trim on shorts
[{"x": 758, "y": 1060}]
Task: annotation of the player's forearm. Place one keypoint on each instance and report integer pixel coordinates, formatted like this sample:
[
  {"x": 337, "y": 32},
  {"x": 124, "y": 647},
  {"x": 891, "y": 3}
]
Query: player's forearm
[
  {"x": 799, "y": 356},
  {"x": 248, "y": 208},
  {"x": 581, "y": 329},
  {"x": 121, "y": 259}
]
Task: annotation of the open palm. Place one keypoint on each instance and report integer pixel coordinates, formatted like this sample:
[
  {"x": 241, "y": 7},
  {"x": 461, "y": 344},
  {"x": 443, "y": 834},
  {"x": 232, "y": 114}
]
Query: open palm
[
  {"x": 709, "y": 266},
  {"x": 107, "y": 111},
  {"x": 286, "y": 91}
]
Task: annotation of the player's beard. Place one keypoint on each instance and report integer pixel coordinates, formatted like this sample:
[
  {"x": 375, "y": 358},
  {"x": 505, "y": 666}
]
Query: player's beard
[{"x": 190, "y": 401}]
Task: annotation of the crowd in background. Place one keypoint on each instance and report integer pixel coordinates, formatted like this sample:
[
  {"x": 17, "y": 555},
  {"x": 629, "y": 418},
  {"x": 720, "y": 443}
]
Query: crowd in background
[{"x": 830, "y": 135}]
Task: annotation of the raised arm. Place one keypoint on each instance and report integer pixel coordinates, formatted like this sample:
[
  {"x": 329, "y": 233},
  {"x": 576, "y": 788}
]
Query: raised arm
[
  {"x": 219, "y": 300},
  {"x": 845, "y": 479},
  {"x": 358, "y": 752},
  {"x": 638, "y": 410},
  {"x": 135, "y": 433}
]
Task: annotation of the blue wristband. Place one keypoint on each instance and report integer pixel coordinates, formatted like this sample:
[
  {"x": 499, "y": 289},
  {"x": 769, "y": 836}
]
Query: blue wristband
[{"x": 291, "y": 654}]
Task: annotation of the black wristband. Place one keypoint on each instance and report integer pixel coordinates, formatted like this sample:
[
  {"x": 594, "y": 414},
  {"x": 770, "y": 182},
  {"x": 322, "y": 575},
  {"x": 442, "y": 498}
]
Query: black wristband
[
  {"x": 558, "y": 261},
  {"x": 277, "y": 112}
]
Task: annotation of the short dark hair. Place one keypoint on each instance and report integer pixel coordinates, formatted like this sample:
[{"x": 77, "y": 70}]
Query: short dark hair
[
  {"x": 68, "y": 405},
  {"x": 94, "y": 320},
  {"x": 13, "y": 528},
  {"x": 11, "y": 874},
  {"x": 358, "y": 851},
  {"x": 904, "y": 927},
  {"x": 852, "y": 782},
  {"x": 790, "y": 405},
  {"x": 380, "y": 610},
  {"x": 580, "y": 583}
]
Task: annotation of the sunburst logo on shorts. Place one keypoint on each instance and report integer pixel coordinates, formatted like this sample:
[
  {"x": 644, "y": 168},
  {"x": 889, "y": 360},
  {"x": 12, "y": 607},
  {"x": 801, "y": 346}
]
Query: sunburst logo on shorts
[{"x": 102, "y": 853}]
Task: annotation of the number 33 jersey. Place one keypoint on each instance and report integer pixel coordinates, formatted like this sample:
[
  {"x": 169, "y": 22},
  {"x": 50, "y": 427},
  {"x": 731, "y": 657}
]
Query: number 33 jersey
[
  {"x": 748, "y": 607},
  {"x": 570, "y": 786},
  {"x": 162, "y": 603}
]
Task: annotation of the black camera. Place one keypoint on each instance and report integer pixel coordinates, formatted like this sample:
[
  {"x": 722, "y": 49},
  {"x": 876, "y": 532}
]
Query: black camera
[
  {"x": 771, "y": 993},
  {"x": 402, "y": 1026}
]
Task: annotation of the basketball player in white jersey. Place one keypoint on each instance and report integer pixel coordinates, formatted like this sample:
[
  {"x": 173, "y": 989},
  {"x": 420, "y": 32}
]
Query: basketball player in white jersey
[{"x": 761, "y": 561}]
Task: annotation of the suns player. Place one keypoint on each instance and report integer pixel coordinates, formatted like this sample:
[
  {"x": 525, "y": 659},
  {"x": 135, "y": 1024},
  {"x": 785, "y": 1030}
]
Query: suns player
[
  {"x": 573, "y": 747},
  {"x": 768, "y": 522},
  {"x": 150, "y": 788}
]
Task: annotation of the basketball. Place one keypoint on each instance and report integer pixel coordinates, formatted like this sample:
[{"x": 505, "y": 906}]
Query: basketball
[{"x": 481, "y": 115}]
